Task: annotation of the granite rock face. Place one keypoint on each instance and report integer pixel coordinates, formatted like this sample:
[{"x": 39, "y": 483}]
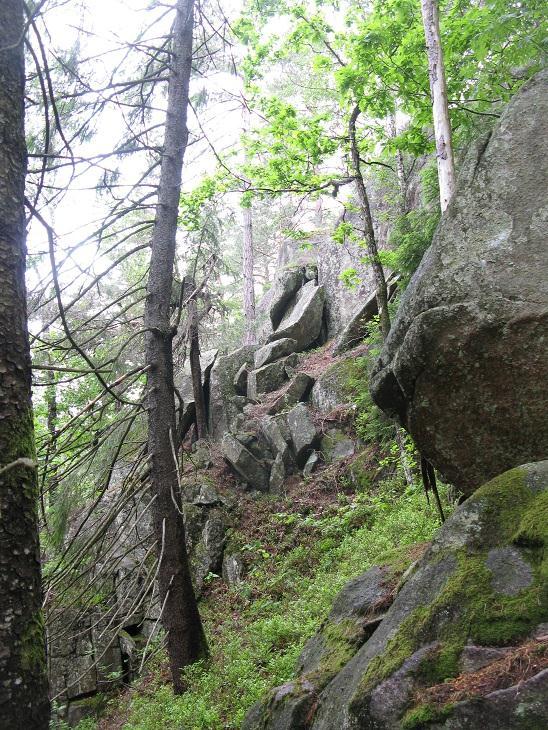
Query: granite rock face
[
  {"x": 297, "y": 390},
  {"x": 465, "y": 366},
  {"x": 330, "y": 389},
  {"x": 269, "y": 377}
]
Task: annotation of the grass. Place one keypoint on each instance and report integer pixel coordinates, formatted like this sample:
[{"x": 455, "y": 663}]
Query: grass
[{"x": 257, "y": 631}]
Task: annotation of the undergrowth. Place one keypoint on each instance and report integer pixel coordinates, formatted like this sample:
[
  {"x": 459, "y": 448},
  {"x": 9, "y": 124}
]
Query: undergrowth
[{"x": 257, "y": 630}]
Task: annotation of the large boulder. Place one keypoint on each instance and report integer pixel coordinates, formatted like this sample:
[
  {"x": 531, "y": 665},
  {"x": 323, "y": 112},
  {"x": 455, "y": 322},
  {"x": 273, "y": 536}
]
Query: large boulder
[
  {"x": 252, "y": 471},
  {"x": 303, "y": 321},
  {"x": 269, "y": 378},
  {"x": 285, "y": 287},
  {"x": 356, "y": 613},
  {"x": 205, "y": 528},
  {"x": 331, "y": 389},
  {"x": 482, "y": 583},
  {"x": 222, "y": 408},
  {"x": 465, "y": 365},
  {"x": 274, "y": 350},
  {"x": 304, "y": 433},
  {"x": 297, "y": 390},
  {"x": 273, "y": 431}
]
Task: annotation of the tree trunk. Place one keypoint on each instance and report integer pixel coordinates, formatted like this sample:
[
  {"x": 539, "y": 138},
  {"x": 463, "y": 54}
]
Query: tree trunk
[
  {"x": 24, "y": 690},
  {"x": 196, "y": 369},
  {"x": 249, "y": 287},
  {"x": 50, "y": 396},
  {"x": 369, "y": 232},
  {"x": 185, "y": 636},
  {"x": 440, "y": 108}
]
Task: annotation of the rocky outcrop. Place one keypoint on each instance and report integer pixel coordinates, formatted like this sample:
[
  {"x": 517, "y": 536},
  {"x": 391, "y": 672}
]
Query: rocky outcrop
[
  {"x": 303, "y": 321},
  {"x": 269, "y": 377},
  {"x": 356, "y": 613},
  {"x": 304, "y": 433},
  {"x": 465, "y": 365},
  {"x": 94, "y": 644},
  {"x": 336, "y": 445},
  {"x": 481, "y": 589},
  {"x": 331, "y": 389},
  {"x": 297, "y": 390},
  {"x": 222, "y": 408}
]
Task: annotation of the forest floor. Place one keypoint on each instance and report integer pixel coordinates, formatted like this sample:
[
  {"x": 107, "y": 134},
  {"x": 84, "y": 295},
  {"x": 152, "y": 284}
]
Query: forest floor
[{"x": 299, "y": 551}]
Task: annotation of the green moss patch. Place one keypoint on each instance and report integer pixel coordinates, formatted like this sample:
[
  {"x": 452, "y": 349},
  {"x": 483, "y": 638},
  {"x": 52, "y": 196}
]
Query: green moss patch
[
  {"x": 423, "y": 715},
  {"x": 468, "y": 608},
  {"x": 33, "y": 650}
]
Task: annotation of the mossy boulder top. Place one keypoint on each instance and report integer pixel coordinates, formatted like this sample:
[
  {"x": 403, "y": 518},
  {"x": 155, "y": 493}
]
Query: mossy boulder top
[
  {"x": 465, "y": 365},
  {"x": 479, "y": 593}
]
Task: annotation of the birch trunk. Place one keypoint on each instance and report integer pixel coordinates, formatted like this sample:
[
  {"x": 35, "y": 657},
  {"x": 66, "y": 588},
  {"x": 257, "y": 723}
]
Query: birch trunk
[
  {"x": 440, "y": 108},
  {"x": 180, "y": 618},
  {"x": 23, "y": 690}
]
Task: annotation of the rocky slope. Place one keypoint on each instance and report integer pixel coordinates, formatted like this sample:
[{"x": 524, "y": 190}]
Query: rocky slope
[{"x": 453, "y": 636}]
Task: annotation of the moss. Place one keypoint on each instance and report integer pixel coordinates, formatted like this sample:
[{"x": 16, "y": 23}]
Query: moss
[
  {"x": 421, "y": 716},
  {"x": 33, "y": 652},
  {"x": 533, "y": 526},
  {"x": 17, "y": 440},
  {"x": 341, "y": 643},
  {"x": 505, "y": 498},
  {"x": 440, "y": 664},
  {"x": 467, "y": 608}
]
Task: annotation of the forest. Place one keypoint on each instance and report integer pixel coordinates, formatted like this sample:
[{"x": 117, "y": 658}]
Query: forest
[{"x": 273, "y": 365}]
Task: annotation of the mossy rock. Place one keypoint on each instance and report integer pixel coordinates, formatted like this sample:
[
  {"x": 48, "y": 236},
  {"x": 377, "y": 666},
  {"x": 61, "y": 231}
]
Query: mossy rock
[
  {"x": 355, "y": 615},
  {"x": 483, "y": 581},
  {"x": 332, "y": 388}
]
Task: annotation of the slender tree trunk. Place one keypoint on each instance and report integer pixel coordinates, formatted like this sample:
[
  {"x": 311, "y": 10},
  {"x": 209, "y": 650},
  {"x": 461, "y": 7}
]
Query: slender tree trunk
[
  {"x": 196, "y": 369},
  {"x": 400, "y": 169},
  {"x": 23, "y": 688},
  {"x": 369, "y": 232},
  {"x": 181, "y": 620},
  {"x": 440, "y": 108},
  {"x": 50, "y": 396},
  {"x": 249, "y": 284}
]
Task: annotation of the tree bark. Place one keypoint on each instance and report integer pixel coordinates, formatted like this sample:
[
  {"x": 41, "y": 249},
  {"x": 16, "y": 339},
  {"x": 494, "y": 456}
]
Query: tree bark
[
  {"x": 23, "y": 690},
  {"x": 185, "y": 636},
  {"x": 196, "y": 368},
  {"x": 249, "y": 285},
  {"x": 369, "y": 231},
  {"x": 440, "y": 108}
]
